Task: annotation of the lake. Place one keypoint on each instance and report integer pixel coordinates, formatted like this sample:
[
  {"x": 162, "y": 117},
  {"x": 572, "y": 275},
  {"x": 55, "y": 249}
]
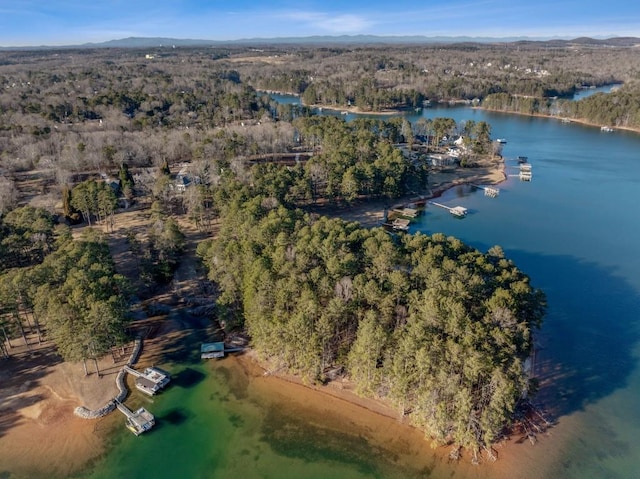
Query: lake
[{"x": 574, "y": 229}]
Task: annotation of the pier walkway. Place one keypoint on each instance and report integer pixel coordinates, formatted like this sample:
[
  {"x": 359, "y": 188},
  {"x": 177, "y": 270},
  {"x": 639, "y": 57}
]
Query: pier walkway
[
  {"x": 132, "y": 371},
  {"x": 458, "y": 211}
]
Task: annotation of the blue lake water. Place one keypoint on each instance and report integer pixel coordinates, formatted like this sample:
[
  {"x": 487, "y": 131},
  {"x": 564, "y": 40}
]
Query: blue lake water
[
  {"x": 585, "y": 92},
  {"x": 575, "y": 229}
]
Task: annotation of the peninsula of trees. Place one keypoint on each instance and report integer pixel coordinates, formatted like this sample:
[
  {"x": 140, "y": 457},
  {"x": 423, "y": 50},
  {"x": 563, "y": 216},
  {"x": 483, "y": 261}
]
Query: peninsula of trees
[{"x": 438, "y": 328}]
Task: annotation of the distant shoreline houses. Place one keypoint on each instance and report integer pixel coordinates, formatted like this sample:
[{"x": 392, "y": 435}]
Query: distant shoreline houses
[{"x": 453, "y": 148}]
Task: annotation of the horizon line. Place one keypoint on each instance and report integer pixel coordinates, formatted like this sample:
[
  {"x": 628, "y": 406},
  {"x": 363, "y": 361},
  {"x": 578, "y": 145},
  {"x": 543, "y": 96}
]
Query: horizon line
[{"x": 343, "y": 37}]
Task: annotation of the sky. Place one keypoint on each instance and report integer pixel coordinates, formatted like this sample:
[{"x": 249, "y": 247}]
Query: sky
[{"x": 67, "y": 22}]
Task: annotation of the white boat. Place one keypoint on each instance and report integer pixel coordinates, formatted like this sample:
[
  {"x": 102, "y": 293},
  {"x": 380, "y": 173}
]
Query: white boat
[
  {"x": 608, "y": 129},
  {"x": 501, "y": 140}
]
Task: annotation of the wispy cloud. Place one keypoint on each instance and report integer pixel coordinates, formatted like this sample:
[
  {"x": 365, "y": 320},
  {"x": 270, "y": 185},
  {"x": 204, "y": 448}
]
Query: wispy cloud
[
  {"x": 62, "y": 21},
  {"x": 332, "y": 23}
]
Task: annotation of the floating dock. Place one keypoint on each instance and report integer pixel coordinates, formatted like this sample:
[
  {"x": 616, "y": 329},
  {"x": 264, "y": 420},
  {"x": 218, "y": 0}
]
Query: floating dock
[
  {"x": 138, "y": 421},
  {"x": 490, "y": 191},
  {"x": 458, "y": 211},
  {"x": 525, "y": 172},
  {"x": 151, "y": 380}
]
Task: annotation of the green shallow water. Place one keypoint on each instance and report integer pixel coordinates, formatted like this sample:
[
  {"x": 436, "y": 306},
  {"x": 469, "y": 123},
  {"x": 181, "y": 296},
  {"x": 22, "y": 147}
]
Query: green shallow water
[{"x": 218, "y": 427}]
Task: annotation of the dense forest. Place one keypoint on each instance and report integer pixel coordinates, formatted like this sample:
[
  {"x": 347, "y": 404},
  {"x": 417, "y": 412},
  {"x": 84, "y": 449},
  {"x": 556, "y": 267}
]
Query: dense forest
[
  {"x": 372, "y": 77},
  {"x": 619, "y": 108},
  {"x": 439, "y": 329},
  {"x": 65, "y": 289}
]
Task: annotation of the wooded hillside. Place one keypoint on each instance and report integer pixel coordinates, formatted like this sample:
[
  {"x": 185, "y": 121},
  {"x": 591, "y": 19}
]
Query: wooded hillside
[{"x": 440, "y": 329}]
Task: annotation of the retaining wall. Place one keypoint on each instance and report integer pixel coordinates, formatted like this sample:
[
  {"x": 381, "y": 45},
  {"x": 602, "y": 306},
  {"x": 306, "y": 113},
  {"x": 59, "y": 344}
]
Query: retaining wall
[{"x": 86, "y": 413}]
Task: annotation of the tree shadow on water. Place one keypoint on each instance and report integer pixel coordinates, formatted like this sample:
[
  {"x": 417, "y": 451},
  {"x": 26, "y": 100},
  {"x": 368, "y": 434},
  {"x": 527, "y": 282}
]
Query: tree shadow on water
[
  {"x": 585, "y": 349},
  {"x": 175, "y": 417},
  {"x": 188, "y": 378}
]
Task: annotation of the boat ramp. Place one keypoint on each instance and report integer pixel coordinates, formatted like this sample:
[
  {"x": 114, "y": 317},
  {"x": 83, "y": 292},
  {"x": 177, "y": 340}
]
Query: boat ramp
[{"x": 138, "y": 421}]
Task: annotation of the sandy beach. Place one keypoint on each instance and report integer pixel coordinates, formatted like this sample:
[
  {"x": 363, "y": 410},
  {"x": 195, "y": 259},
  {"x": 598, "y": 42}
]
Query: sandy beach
[
  {"x": 336, "y": 406},
  {"x": 39, "y": 434},
  {"x": 42, "y": 408}
]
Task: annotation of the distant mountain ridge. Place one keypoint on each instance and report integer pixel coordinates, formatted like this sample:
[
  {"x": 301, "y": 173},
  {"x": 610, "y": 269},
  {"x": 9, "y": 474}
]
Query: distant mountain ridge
[{"x": 154, "y": 42}]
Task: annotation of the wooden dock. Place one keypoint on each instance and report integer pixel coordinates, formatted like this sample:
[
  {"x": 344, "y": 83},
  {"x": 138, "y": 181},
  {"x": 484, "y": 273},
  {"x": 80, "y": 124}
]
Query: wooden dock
[
  {"x": 400, "y": 224},
  {"x": 458, "y": 211},
  {"x": 132, "y": 371},
  {"x": 407, "y": 212},
  {"x": 138, "y": 421},
  {"x": 151, "y": 380}
]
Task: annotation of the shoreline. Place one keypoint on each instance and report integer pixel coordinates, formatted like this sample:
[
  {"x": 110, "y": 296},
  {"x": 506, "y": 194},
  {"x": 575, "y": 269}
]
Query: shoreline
[
  {"x": 38, "y": 395},
  {"x": 468, "y": 103},
  {"x": 370, "y": 212},
  {"x": 560, "y": 118},
  {"x": 340, "y": 404},
  {"x": 355, "y": 110},
  {"x": 350, "y": 109}
]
